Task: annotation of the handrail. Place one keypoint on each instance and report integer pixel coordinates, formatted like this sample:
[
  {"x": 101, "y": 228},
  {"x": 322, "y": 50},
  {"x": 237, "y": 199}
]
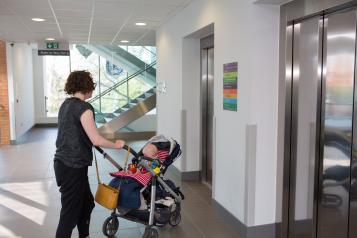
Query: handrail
[
  {"x": 149, "y": 50},
  {"x": 143, "y": 47},
  {"x": 108, "y": 90}
]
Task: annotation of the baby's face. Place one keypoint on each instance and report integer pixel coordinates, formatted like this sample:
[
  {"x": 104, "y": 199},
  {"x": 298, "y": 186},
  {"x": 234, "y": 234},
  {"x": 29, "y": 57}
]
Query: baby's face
[{"x": 150, "y": 151}]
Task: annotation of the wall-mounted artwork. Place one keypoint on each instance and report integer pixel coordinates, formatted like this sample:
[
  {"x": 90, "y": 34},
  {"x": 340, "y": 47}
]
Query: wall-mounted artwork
[{"x": 230, "y": 86}]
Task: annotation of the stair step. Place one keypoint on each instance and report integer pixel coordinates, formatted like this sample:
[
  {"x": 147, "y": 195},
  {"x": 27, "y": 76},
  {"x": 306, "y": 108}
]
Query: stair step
[
  {"x": 108, "y": 119},
  {"x": 118, "y": 111},
  {"x": 110, "y": 115},
  {"x": 100, "y": 121}
]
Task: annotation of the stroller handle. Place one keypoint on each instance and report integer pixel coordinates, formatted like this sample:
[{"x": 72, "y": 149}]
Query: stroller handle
[
  {"x": 133, "y": 152},
  {"x": 125, "y": 147},
  {"x": 106, "y": 156},
  {"x": 111, "y": 160}
]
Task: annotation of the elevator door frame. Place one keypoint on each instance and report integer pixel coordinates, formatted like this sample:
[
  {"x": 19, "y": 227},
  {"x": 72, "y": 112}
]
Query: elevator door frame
[
  {"x": 289, "y": 127},
  {"x": 206, "y": 43}
]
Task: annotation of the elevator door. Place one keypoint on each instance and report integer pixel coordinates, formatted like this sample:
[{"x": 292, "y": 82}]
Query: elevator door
[
  {"x": 207, "y": 84},
  {"x": 322, "y": 185}
]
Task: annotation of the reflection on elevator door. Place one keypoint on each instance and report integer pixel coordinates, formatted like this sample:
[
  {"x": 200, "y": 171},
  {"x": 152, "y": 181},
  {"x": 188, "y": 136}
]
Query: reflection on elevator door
[
  {"x": 323, "y": 140},
  {"x": 207, "y": 59}
]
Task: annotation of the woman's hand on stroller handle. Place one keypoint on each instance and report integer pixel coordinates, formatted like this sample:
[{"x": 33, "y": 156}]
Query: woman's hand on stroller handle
[{"x": 119, "y": 144}]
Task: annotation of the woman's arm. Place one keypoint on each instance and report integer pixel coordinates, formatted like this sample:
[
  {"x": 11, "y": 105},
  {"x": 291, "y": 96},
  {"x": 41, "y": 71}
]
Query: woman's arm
[{"x": 88, "y": 124}]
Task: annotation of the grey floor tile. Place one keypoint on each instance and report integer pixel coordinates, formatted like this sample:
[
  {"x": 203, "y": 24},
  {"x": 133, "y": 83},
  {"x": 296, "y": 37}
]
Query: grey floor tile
[{"x": 30, "y": 200}]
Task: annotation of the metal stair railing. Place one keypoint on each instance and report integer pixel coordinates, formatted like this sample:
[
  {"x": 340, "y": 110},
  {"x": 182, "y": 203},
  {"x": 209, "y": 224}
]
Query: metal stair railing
[
  {"x": 132, "y": 57},
  {"x": 108, "y": 90}
]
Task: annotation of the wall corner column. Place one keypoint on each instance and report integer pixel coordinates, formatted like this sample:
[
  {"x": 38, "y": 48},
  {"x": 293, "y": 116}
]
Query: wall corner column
[{"x": 4, "y": 98}]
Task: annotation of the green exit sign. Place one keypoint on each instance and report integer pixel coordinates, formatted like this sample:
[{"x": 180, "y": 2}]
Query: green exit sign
[{"x": 52, "y": 45}]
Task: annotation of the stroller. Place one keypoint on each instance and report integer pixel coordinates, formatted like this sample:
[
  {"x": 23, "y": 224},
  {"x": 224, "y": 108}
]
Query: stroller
[{"x": 158, "y": 189}]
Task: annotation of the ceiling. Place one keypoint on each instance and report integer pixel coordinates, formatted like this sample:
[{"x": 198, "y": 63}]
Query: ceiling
[
  {"x": 86, "y": 21},
  {"x": 274, "y": 2}
]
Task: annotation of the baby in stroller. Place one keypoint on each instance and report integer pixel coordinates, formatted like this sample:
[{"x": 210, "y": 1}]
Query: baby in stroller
[{"x": 145, "y": 196}]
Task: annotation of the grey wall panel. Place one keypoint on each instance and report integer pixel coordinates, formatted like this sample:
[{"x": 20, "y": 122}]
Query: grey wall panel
[{"x": 250, "y": 167}]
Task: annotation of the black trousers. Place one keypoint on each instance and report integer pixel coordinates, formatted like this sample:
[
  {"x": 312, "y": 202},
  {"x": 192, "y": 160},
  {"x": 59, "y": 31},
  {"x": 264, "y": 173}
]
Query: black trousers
[{"x": 76, "y": 199}]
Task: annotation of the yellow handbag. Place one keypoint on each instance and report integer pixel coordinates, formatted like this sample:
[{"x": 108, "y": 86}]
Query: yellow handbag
[{"x": 107, "y": 196}]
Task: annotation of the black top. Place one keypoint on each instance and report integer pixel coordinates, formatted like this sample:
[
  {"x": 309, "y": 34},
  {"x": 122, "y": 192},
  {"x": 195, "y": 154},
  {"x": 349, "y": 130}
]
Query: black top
[{"x": 74, "y": 148}]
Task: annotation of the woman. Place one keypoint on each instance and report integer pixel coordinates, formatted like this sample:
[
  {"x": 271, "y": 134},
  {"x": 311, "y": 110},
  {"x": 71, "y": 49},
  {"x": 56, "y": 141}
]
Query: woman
[{"x": 77, "y": 133}]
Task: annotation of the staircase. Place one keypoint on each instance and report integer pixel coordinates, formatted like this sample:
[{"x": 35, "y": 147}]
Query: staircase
[
  {"x": 115, "y": 108},
  {"x": 110, "y": 124},
  {"x": 130, "y": 58},
  {"x": 122, "y": 57}
]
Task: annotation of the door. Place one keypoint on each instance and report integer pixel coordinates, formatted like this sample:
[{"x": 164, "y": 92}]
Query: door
[
  {"x": 322, "y": 146},
  {"x": 304, "y": 126},
  {"x": 337, "y": 117},
  {"x": 207, "y": 86}
]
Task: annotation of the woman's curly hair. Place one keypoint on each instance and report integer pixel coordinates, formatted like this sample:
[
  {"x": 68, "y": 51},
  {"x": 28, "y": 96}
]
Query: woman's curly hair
[{"x": 79, "y": 81}]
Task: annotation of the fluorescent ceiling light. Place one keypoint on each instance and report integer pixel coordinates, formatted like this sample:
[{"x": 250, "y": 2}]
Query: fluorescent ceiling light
[
  {"x": 124, "y": 41},
  {"x": 140, "y": 24},
  {"x": 38, "y": 19},
  {"x": 50, "y": 39}
]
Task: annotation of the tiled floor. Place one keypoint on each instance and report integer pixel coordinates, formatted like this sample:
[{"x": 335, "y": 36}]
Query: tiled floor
[{"x": 30, "y": 200}]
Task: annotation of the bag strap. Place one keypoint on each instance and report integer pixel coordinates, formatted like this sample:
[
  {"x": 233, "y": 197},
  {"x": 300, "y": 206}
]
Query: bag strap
[
  {"x": 96, "y": 164},
  {"x": 96, "y": 167},
  {"x": 127, "y": 157}
]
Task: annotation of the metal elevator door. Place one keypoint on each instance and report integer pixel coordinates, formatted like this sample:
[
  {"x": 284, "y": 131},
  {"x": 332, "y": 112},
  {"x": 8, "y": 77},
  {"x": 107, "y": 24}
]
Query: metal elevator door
[
  {"x": 323, "y": 141},
  {"x": 207, "y": 90}
]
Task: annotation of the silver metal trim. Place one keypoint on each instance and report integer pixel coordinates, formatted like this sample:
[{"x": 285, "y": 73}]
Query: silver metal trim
[
  {"x": 294, "y": 127},
  {"x": 204, "y": 98},
  {"x": 318, "y": 144},
  {"x": 152, "y": 203},
  {"x": 288, "y": 64},
  {"x": 300, "y": 10},
  {"x": 353, "y": 181},
  {"x": 207, "y": 113}
]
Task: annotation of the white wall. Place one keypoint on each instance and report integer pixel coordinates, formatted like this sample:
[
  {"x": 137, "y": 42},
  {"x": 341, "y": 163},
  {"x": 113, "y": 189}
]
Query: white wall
[
  {"x": 21, "y": 78},
  {"x": 144, "y": 123},
  {"x": 247, "y": 33}
]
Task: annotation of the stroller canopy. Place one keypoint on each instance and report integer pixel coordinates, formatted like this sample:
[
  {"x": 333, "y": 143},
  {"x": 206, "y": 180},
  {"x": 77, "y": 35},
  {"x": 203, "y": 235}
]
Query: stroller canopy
[{"x": 167, "y": 144}]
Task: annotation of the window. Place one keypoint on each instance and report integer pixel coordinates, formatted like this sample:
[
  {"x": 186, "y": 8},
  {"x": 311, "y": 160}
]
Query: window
[
  {"x": 110, "y": 73},
  {"x": 56, "y": 73}
]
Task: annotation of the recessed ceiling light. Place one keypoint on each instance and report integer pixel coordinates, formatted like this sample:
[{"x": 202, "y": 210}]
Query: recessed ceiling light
[
  {"x": 124, "y": 41},
  {"x": 140, "y": 24},
  {"x": 38, "y": 19},
  {"x": 50, "y": 39}
]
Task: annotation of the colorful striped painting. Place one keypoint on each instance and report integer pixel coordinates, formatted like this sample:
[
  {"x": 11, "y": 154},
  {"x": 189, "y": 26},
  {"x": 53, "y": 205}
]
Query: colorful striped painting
[{"x": 230, "y": 86}]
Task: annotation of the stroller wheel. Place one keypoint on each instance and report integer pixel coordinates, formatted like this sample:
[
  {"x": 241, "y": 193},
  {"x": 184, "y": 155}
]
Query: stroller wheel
[
  {"x": 175, "y": 218},
  {"x": 150, "y": 232},
  {"x": 110, "y": 226}
]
